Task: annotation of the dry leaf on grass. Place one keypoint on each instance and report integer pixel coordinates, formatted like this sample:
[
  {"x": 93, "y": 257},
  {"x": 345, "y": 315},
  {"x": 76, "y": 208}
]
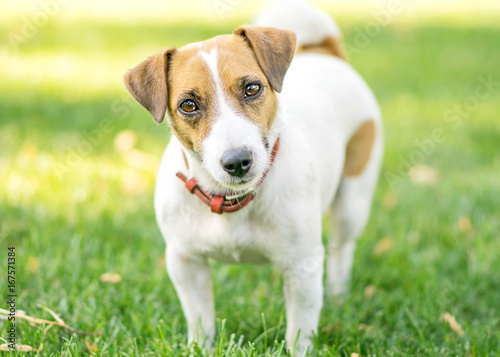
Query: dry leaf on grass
[
  {"x": 112, "y": 278},
  {"x": 22, "y": 348},
  {"x": 383, "y": 246},
  {"x": 390, "y": 200},
  {"x": 423, "y": 174},
  {"x": 27, "y": 155},
  {"x": 327, "y": 328},
  {"x": 363, "y": 327},
  {"x": 33, "y": 264},
  {"x": 134, "y": 182},
  {"x": 354, "y": 354},
  {"x": 370, "y": 291},
  {"x": 91, "y": 346},
  {"x": 141, "y": 160},
  {"x": 464, "y": 224},
  {"x": 162, "y": 262},
  {"x": 59, "y": 322},
  {"x": 124, "y": 141},
  {"x": 452, "y": 322}
]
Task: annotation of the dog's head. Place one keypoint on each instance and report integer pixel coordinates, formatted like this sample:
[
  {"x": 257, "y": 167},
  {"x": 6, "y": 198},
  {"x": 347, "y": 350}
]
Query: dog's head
[{"x": 220, "y": 96}]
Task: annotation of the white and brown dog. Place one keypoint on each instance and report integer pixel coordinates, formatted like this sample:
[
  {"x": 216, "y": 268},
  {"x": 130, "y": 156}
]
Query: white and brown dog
[{"x": 258, "y": 157}]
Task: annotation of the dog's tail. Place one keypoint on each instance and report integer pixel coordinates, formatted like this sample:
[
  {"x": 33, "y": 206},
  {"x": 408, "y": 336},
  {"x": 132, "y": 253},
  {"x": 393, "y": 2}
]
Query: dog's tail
[{"x": 316, "y": 31}]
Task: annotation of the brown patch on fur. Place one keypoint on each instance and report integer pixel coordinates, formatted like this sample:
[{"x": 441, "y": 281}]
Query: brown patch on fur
[
  {"x": 237, "y": 66},
  {"x": 147, "y": 83},
  {"x": 274, "y": 49},
  {"x": 329, "y": 46},
  {"x": 238, "y": 61},
  {"x": 250, "y": 55},
  {"x": 359, "y": 149},
  {"x": 190, "y": 78}
]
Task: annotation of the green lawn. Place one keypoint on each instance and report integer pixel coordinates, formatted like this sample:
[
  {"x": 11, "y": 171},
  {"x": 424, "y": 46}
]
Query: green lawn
[{"x": 77, "y": 167}]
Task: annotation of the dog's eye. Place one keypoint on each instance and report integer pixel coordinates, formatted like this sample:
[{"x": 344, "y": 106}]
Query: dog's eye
[
  {"x": 188, "y": 106},
  {"x": 252, "y": 89}
]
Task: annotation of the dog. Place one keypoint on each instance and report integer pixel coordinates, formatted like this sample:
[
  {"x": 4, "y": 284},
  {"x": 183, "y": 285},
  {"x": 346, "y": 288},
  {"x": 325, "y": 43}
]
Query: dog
[{"x": 272, "y": 129}]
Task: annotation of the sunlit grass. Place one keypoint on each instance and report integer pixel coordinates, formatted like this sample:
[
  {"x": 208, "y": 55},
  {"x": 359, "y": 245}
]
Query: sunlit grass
[{"x": 78, "y": 159}]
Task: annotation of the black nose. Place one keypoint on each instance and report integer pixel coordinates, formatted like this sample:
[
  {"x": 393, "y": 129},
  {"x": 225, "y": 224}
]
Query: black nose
[{"x": 237, "y": 162}]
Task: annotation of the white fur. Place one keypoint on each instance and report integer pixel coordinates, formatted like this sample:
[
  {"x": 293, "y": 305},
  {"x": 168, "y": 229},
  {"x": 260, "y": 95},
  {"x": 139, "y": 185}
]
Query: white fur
[
  {"x": 309, "y": 23},
  {"x": 230, "y": 131},
  {"x": 322, "y": 103}
]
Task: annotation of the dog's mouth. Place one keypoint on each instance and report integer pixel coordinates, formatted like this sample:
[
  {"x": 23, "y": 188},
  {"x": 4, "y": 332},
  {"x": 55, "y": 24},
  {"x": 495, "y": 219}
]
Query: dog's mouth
[
  {"x": 239, "y": 185},
  {"x": 234, "y": 185},
  {"x": 238, "y": 170}
]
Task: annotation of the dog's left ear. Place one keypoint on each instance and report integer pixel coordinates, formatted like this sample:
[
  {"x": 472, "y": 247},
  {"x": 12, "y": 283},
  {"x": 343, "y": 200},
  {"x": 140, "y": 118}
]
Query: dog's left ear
[
  {"x": 273, "y": 48},
  {"x": 147, "y": 83}
]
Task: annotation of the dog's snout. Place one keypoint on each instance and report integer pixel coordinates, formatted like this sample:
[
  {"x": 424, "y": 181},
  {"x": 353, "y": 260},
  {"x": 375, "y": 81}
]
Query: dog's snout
[{"x": 237, "y": 162}]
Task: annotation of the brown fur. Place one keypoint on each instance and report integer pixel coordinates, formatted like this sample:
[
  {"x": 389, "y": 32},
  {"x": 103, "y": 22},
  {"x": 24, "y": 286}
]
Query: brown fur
[
  {"x": 147, "y": 83},
  {"x": 188, "y": 73},
  {"x": 237, "y": 60},
  {"x": 273, "y": 49},
  {"x": 359, "y": 149},
  {"x": 329, "y": 46},
  {"x": 257, "y": 54}
]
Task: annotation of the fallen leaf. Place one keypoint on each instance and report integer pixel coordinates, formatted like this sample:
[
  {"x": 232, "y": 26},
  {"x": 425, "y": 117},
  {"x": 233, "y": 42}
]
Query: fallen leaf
[
  {"x": 134, "y": 183},
  {"x": 91, "y": 346},
  {"x": 142, "y": 160},
  {"x": 423, "y": 174},
  {"x": 327, "y": 328},
  {"x": 464, "y": 224},
  {"x": 125, "y": 141},
  {"x": 452, "y": 322},
  {"x": 33, "y": 264},
  {"x": 354, "y": 354},
  {"x": 390, "y": 200},
  {"x": 59, "y": 322},
  {"x": 22, "y": 348},
  {"x": 383, "y": 246},
  {"x": 30, "y": 149},
  {"x": 261, "y": 291},
  {"x": 162, "y": 261},
  {"x": 363, "y": 327},
  {"x": 112, "y": 278},
  {"x": 27, "y": 155},
  {"x": 370, "y": 291}
]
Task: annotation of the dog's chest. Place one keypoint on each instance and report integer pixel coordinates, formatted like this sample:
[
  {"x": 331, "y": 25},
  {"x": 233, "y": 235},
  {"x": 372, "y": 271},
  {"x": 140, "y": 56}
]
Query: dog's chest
[{"x": 229, "y": 238}]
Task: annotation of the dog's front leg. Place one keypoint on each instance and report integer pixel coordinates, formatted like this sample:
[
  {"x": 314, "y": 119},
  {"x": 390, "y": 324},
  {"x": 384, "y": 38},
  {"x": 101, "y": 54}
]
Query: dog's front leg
[
  {"x": 303, "y": 287},
  {"x": 192, "y": 280}
]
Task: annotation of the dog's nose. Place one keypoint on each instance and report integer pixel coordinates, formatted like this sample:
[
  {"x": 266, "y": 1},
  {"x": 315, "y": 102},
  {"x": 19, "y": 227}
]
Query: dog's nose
[{"x": 237, "y": 162}]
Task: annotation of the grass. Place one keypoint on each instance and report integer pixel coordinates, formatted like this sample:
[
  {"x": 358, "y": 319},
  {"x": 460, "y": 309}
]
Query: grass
[{"x": 75, "y": 210}]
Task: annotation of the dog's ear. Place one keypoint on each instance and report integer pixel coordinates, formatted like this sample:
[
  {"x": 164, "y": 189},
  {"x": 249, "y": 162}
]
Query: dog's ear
[
  {"x": 273, "y": 48},
  {"x": 147, "y": 83}
]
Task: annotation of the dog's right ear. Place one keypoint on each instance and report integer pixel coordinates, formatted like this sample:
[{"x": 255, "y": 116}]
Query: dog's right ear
[
  {"x": 273, "y": 48},
  {"x": 147, "y": 83}
]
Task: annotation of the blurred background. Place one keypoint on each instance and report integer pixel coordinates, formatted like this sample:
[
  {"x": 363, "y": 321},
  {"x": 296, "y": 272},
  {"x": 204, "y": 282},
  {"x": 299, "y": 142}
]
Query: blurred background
[{"x": 78, "y": 159}]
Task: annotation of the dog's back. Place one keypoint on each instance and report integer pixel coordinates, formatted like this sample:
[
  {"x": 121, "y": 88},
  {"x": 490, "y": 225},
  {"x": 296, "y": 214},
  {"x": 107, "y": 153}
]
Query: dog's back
[
  {"x": 315, "y": 30},
  {"x": 351, "y": 133},
  {"x": 328, "y": 103}
]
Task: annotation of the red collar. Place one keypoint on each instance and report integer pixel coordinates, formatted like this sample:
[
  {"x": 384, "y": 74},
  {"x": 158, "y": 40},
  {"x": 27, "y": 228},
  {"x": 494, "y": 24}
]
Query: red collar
[{"x": 221, "y": 204}]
